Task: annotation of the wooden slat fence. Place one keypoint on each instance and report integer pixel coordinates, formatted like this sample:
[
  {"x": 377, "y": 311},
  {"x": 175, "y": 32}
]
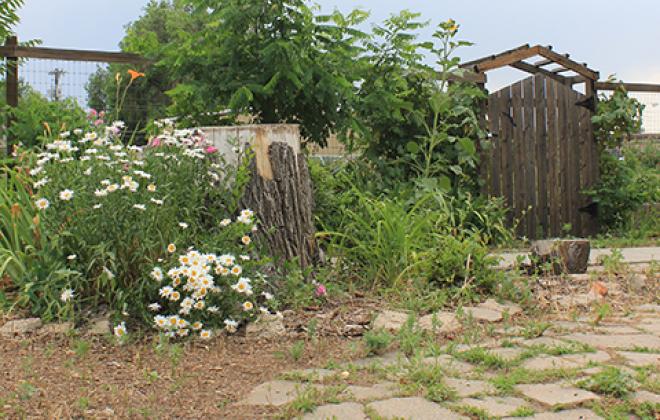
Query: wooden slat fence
[{"x": 543, "y": 156}]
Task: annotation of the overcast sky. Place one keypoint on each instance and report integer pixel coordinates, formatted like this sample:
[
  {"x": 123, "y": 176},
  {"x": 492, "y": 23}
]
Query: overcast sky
[{"x": 612, "y": 36}]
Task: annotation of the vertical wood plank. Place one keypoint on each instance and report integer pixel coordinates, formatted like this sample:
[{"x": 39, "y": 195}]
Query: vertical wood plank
[
  {"x": 553, "y": 182},
  {"x": 529, "y": 157},
  {"x": 506, "y": 136},
  {"x": 540, "y": 109},
  {"x": 518, "y": 161},
  {"x": 495, "y": 152},
  {"x": 562, "y": 169},
  {"x": 583, "y": 117},
  {"x": 574, "y": 164}
]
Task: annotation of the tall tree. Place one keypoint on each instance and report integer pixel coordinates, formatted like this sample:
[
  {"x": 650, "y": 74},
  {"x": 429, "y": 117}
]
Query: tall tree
[{"x": 272, "y": 59}]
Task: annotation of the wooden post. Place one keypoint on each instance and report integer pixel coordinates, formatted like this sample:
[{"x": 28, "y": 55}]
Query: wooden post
[{"x": 11, "y": 88}]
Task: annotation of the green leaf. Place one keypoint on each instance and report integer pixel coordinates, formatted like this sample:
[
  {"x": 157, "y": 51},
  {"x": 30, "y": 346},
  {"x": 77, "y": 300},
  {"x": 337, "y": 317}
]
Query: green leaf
[{"x": 412, "y": 147}]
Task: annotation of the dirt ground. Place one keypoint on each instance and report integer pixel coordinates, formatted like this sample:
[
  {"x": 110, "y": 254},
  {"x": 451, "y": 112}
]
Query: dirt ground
[{"x": 44, "y": 378}]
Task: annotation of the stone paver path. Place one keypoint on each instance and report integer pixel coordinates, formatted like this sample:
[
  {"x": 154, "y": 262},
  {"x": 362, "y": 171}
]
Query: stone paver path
[{"x": 394, "y": 385}]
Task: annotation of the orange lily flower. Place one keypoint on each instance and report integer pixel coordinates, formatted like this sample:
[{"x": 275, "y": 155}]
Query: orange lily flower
[{"x": 135, "y": 74}]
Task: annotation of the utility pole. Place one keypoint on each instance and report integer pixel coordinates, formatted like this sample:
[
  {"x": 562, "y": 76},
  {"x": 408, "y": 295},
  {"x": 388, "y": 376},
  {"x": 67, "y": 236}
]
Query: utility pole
[{"x": 56, "y": 93}]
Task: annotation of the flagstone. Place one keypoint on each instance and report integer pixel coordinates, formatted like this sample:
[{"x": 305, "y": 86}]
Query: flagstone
[
  {"x": 507, "y": 353},
  {"x": 554, "y": 394},
  {"x": 568, "y": 361},
  {"x": 640, "y": 359},
  {"x": 508, "y": 307},
  {"x": 577, "y": 414},
  {"x": 483, "y": 314},
  {"x": 413, "y": 408},
  {"x": 496, "y": 406},
  {"x": 649, "y": 307},
  {"x": 446, "y": 322},
  {"x": 374, "y": 392},
  {"x": 449, "y": 363},
  {"x": 347, "y": 411},
  {"x": 641, "y": 397},
  {"x": 469, "y": 388},
  {"x": 276, "y": 393},
  {"x": 613, "y": 341}
]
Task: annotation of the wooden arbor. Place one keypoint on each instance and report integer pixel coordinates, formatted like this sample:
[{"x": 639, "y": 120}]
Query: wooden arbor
[{"x": 542, "y": 152}]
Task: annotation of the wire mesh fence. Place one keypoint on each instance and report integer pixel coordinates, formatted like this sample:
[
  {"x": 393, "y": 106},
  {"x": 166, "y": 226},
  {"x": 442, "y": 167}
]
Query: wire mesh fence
[
  {"x": 58, "y": 79},
  {"x": 651, "y": 115}
]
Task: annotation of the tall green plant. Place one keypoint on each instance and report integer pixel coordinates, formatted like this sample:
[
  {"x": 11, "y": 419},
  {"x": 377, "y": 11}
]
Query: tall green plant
[{"x": 31, "y": 265}]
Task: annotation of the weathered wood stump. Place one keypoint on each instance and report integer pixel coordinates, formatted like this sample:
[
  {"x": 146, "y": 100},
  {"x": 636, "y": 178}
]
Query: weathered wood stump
[
  {"x": 564, "y": 255},
  {"x": 280, "y": 191}
]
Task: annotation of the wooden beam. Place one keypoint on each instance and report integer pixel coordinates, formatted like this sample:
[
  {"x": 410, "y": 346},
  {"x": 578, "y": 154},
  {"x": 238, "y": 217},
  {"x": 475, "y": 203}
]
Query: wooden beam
[
  {"x": 630, "y": 87},
  {"x": 468, "y": 76},
  {"x": 574, "y": 80},
  {"x": 70, "y": 55},
  {"x": 505, "y": 60},
  {"x": 567, "y": 62},
  {"x": 560, "y": 70},
  {"x": 473, "y": 63},
  {"x": 521, "y": 65},
  {"x": 545, "y": 62}
]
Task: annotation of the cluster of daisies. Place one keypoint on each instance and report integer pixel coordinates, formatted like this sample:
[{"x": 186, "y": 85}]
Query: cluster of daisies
[
  {"x": 126, "y": 161},
  {"x": 188, "y": 288}
]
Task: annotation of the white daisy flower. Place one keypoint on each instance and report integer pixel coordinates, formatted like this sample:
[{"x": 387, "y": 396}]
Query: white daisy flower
[
  {"x": 157, "y": 274},
  {"x": 42, "y": 203},
  {"x": 66, "y": 195},
  {"x": 155, "y": 307},
  {"x": 67, "y": 295},
  {"x": 139, "y": 206},
  {"x": 183, "y": 225},
  {"x": 120, "y": 330}
]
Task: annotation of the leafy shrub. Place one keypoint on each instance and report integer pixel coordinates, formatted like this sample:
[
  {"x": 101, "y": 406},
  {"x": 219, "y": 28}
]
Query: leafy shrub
[
  {"x": 626, "y": 181},
  {"x": 390, "y": 243},
  {"x": 625, "y": 185},
  {"x": 119, "y": 209},
  {"x": 35, "y": 116}
]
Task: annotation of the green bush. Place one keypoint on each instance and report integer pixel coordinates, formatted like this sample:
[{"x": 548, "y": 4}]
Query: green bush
[
  {"x": 626, "y": 183},
  {"x": 117, "y": 211},
  {"x": 36, "y": 116}
]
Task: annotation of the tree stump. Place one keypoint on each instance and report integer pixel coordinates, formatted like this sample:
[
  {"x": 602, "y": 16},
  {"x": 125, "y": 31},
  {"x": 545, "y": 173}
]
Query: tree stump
[
  {"x": 280, "y": 191},
  {"x": 565, "y": 256}
]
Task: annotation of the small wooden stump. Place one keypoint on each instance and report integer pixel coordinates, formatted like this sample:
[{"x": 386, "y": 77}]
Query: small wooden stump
[{"x": 569, "y": 256}]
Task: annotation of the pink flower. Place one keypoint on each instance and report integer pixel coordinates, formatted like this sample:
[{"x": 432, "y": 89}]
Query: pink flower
[
  {"x": 102, "y": 114},
  {"x": 321, "y": 291},
  {"x": 98, "y": 122},
  {"x": 93, "y": 113},
  {"x": 155, "y": 142},
  {"x": 211, "y": 149}
]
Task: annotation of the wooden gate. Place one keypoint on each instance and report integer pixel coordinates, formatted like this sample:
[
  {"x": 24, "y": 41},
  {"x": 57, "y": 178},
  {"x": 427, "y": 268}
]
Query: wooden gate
[{"x": 543, "y": 156}]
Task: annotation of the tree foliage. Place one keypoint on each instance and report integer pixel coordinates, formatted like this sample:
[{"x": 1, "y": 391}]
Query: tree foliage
[
  {"x": 8, "y": 16},
  {"x": 274, "y": 60}
]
